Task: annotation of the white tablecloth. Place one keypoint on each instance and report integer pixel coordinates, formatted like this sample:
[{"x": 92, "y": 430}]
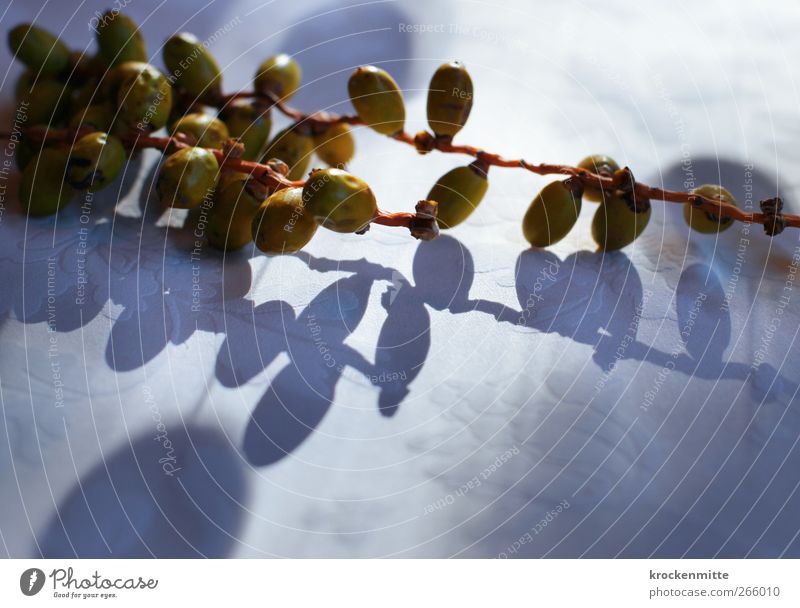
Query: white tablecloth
[{"x": 466, "y": 397}]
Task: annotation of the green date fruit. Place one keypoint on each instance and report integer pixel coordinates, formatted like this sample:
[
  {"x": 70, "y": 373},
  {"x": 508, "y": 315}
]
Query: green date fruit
[
  {"x": 38, "y": 49},
  {"x": 114, "y": 78},
  {"x": 283, "y": 224},
  {"x": 250, "y": 122},
  {"x": 601, "y": 165},
  {"x": 94, "y": 161},
  {"x": 458, "y": 192},
  {"x": 187, "y": 177},
  {"x": 292, "y": 148},
  {"x": 23, "y": 85},
  {"x": 336, "y": 145},
  {"x": 42, "y": 189},
  {"x": 279, "y": 74},
  {"x": 704, "y": 221},
  {"x": 226, "y": 176},
  {"x": 449, "y": 99},
  {"x": 193, "y": 66},
  {"x": 617, "y": 223},
  {"x": 230, "y": 221},
  {"x": 45, "y": 103},
  {"x": 377, "y": 99},
  {"x": 120, "y": 39},
  {"x": 98, "y": 117},
  {"x": 551, "y": 215},
  {"x": 209, "y": 132},
  {"x": 25, "y": 151},
  {"x": 339, "y": 200},
  {"x": 144, "y": 101}
]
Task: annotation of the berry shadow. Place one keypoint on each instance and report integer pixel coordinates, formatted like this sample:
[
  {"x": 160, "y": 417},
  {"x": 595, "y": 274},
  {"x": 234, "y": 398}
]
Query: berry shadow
[
  {"x": 701, "y": 287},
  {"x": 599, "y": 300},
  {"x": 175, "y": 283},
  {"x": 102, "y": 252},
  {"x": 300, "y": 395},
  {"x": 298, "y": 398},
  {"x": 302, "y": 392},
  {"x": 181, "y": 499},
  {"x": 593, "y": 299},
  {"x": 60, "y": 264}
]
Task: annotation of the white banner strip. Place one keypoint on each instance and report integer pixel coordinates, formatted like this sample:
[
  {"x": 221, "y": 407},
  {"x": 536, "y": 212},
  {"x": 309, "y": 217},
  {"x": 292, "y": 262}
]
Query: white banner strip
[{"x": 399, "y": 583}]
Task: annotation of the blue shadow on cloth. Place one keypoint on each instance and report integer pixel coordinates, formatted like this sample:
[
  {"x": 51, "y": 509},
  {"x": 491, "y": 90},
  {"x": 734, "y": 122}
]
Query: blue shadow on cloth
[
  {"x": 154, "y": 499},
  {"x": 301, "y": 394}
]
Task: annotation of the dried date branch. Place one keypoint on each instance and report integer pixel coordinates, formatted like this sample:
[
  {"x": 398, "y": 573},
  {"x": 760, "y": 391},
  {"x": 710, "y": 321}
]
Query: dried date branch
[
  {"x": 422, "y": 224},
  {"x": 771, "y": 217}
]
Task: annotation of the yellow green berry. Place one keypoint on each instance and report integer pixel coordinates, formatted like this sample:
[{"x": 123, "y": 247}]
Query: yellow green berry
[
  {"x": 282, "y": 224},
  {"x": 250, "y": 122},
  {"x": 94, "y": 161},
  {"x": 227, "y": 176},
  {"x": 601, "y": 165},
  {"x": 335, "y": 146},
  {"x": 120, "y": 39},
  {"x": 294, "y": 149},
  {"x": 144, "y": 101},
  {"x": 377, "y": 99},
  {"x": 187, "y": 177},
  {"x": 230, "y": 221},
  {"x": 45, "y": 103},
  {"x": 208, "y": 131},
  {"x": 339, "y": 200},
  {"x": 617, "y": 223},
  {"x": 98, "y": 117},
  {"x": 25, "y": 151},
  {"x": 705, "y": 221},
  {"x": 458, "y": 192},
  {"x": 449, "y": 99},
  {"x": 23, "y": 85},
  {"x": 552, "y": 214},
  {"x": 279, "y": 74},
  {"x": 194, "y": 67},
  {"x": 114, "y": 78},
  {"x": 42, "y": 189},
  {"x": 37, "y": 48}
]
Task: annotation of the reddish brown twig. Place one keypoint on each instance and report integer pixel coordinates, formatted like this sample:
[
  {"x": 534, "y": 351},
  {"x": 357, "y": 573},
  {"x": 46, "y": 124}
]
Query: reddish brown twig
[
  {"x": 421, "y": 224},
  {"x": 134, "y": 140},
  {"x": 316, "y": 123},
  {"x": 610, "y": 184},
  {"x": 773, "y": 221},
  {"x": 312, "y": 124}
]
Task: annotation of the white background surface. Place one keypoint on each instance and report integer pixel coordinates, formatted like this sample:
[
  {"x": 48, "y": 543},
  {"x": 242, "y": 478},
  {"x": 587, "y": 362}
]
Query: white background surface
[{"x": 661, "y": 444}]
